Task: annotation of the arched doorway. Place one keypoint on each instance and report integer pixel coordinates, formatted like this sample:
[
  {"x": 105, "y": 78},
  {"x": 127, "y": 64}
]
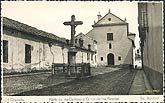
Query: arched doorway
[{"x": 110, "y": 59}]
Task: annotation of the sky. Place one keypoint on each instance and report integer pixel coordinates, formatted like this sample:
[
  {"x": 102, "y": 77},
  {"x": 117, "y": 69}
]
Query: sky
[{"x": 49, "y": 16}]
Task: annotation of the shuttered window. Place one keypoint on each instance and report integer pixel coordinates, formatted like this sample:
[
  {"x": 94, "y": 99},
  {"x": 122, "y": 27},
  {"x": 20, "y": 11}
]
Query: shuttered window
[
  {"x": 27, "y": 53},
  {"x": 5, "y": 51}
]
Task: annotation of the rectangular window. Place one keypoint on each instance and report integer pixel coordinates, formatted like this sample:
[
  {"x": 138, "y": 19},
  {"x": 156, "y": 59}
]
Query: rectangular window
[
  {"x": 27, "y": 53},
  {"x": 119, "y": 58},
  {"x": 110, "y": 46},
  {"x": 88, "y": 56},
  {"x": 5, "y": 51},
  {"x": 91, "y": 57},
  {"x": 101, "y": 58},
  {"x": 76, "y": 41},
  {"x": 109, "y": 36}
]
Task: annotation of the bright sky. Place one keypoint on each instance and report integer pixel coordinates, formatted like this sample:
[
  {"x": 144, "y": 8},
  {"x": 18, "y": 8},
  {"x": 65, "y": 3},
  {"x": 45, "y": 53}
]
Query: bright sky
[{"x": 49, "y": 16}]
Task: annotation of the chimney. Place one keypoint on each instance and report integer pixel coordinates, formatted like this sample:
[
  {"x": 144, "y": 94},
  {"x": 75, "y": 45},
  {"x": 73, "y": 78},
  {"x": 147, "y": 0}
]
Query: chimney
[
  {"x": 99, "y": 16},
  {"x": 94, "y": 22}
]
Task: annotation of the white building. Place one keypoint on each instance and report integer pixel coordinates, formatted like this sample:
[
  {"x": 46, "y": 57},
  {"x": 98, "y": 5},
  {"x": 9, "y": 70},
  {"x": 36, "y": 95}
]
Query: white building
[
  {"x": 26, "y": 48},
  {"x": 114, "y": 42}
]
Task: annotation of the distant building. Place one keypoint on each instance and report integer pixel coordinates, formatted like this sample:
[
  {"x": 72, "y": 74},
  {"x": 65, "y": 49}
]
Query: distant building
[
  {"x": 150, "y": 19},
  {"x": 89, "y": 43},
  {"x": 114, "y": 42},
  {"x": 26, "y": 48},
  {"x": 138, "y": 61}
]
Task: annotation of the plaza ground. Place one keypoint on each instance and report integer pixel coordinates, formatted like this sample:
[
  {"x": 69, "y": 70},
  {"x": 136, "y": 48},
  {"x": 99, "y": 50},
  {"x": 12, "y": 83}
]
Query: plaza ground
[{"x": 104, "y": 81}]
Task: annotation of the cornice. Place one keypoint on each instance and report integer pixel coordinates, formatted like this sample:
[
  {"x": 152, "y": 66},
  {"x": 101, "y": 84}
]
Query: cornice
[{"x": 111, "y": 24}]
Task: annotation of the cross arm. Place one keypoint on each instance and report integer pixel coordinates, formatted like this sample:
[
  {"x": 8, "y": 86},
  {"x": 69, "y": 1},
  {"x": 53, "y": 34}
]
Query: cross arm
[
  {"x": 67, "y": 23},
  {"x": 78, "y": 22}
]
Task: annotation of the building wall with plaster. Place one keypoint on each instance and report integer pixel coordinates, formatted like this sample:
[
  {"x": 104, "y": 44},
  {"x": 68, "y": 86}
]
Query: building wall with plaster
[
  {"x": 42, "y": 55},
  {"x": 151, "y": 34},
  {"x": 121, "y": 45}
]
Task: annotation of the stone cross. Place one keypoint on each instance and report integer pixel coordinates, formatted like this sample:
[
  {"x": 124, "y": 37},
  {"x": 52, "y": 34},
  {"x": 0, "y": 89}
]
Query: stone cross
[{"x": 73, "y": 24}]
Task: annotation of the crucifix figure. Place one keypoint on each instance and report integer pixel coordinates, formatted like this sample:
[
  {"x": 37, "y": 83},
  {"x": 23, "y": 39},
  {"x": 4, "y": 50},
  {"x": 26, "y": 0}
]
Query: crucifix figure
[
  {"x": 72, "y": 51},
  {"x": 73, "y": 24}
]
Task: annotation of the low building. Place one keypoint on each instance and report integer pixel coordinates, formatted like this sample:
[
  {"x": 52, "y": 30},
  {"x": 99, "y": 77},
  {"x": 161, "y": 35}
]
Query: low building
[
  {"x": 89, "y": 43},
  {"x": 150, "y": 20},
  {"x": 27, "y": 49}
]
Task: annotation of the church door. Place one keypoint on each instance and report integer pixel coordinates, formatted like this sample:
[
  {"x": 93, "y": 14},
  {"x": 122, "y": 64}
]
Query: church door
[{"x": 110, "y": 59}]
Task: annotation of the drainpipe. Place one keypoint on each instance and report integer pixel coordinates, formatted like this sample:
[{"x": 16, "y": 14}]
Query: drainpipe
[
  {"x": 12, "y": 54},
  {"x": 63, "y": 53},
  {"x": 39, "y": 56},
  {"x": 82, "y": 56},
  {"x": 50, "y": 45}
]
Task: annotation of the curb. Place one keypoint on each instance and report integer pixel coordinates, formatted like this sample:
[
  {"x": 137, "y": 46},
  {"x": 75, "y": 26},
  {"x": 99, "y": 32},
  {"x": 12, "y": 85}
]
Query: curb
[{"x": 19, "y": 75}]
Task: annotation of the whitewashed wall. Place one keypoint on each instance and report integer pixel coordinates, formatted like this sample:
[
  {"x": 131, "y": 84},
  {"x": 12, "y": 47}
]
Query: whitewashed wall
[
  {"x": 41, "y": 56},
  {"x": 121, "y": 45}
]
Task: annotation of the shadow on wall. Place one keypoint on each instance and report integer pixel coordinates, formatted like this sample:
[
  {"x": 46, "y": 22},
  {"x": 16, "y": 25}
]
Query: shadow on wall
[{"x": 129, "y": 57}]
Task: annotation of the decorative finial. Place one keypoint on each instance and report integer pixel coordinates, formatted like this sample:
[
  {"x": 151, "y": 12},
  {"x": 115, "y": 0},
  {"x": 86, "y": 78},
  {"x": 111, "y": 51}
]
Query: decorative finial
[
  {"x": 125, "y": 19},
  {"x": 109, "y": 10}
]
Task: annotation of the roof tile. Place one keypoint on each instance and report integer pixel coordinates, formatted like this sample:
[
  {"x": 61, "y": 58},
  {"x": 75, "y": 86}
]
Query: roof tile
[{"x": 31, "y": 30}]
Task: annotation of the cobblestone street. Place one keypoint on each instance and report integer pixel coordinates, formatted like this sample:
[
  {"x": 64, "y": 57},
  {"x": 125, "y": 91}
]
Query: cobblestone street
[
  {"x": 17, "y": 84},
  {"x": 111, "y": 83}
]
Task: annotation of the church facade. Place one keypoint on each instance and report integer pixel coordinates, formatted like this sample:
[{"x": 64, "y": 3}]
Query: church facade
[
  {"x": 27, "y": 49},
  {"x": 114, "y": 42}
]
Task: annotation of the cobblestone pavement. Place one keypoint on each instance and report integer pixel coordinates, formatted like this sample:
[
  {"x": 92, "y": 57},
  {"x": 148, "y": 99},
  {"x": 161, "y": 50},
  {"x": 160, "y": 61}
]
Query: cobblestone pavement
[
  {"x": 102, "y": 70},
  {"x": 112, "y": 83},
  {"x": 17, "y": 84}
]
